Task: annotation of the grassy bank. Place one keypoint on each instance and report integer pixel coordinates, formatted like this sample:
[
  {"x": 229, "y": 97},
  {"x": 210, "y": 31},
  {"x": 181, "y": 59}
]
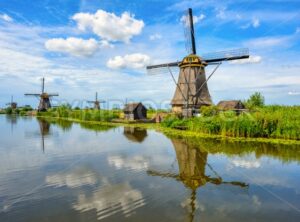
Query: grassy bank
[
  {"x": 84, "y": 115},
  {"x": 276, "y": 122},
  {"x": 266, "y": 123}
]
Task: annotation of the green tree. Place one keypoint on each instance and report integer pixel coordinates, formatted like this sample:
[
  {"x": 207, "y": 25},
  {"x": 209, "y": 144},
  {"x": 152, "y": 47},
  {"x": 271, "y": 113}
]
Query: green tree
[
  {"x": 8, "y": 110},
  {"x": 255, "y": 100}
]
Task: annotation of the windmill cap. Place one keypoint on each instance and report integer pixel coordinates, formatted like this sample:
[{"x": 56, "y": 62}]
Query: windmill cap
[{"x": 192, "y": 60}]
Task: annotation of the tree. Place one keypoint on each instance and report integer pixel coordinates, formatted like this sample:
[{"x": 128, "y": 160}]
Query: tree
[
  {"x": 8, "y": 110},
  {"x": 255, "y": 100}
]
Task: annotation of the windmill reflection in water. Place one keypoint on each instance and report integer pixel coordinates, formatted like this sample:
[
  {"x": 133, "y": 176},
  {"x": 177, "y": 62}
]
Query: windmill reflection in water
[{"x": 192, "y": 163}]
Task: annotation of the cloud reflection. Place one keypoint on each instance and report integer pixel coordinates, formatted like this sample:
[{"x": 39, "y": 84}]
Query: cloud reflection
[{"x": 110, "y": 200}]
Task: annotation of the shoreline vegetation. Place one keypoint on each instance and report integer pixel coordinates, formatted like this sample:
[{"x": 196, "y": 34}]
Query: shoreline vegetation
[
  {"x": 169, "y": 125},
  {"x": 272, "y": 124}
]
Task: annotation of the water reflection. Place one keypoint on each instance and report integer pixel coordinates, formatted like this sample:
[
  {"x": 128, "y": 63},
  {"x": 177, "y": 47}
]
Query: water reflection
[
  {"x": 74, "y": 178},
  {"x": 12, "y": 119},
  {"x": 135, "y": 134},
  {"x": 192, "y": 163},
  {"x": 44, "y": 131},
  {"x": 65, "y": 125},
  {"x": 111, "y": 199},
  {"x": 88, "y": 177}
]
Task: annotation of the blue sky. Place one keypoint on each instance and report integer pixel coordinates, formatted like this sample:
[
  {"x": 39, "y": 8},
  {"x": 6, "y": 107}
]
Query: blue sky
[{"x": 83, "y": 46}]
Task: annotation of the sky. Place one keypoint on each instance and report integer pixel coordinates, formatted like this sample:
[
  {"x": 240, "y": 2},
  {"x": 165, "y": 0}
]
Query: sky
[{"x": 84, "y": 46}]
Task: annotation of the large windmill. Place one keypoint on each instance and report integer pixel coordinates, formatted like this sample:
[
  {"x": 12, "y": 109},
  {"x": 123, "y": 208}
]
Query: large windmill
[
  {"x": 191, "y": 88},
  {"x": 12, "y": 104},
  {"x": 44, "y": 97},
  {"x": 192, "y": 165},
  {"x": 96, "y": 102}
]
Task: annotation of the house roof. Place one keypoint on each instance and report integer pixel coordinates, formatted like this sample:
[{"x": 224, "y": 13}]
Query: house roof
[
  {"x": 230, "y": 104},
  {"x": 130, "y": 107}
]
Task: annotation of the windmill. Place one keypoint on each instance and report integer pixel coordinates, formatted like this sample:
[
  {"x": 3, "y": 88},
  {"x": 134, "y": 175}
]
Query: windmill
[
  {"x": 96, "y": 102},
  {"x": 192, "y": 163},
  {"x": 12, "y": 104},
  {"x": 191, "y": 88},
  {"x": 44, "y": 98}
]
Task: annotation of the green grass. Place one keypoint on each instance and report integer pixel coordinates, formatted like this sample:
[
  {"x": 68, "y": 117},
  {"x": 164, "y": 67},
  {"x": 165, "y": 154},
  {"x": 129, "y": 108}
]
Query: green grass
[
  {"x": 268, "y": 122},
  {"x": 278, "y": 122},
  {"x": 84, "y": 115}
]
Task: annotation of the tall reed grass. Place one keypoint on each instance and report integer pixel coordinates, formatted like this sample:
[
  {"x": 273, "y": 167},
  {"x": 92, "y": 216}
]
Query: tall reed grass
[{"x": 269, "y": 122}]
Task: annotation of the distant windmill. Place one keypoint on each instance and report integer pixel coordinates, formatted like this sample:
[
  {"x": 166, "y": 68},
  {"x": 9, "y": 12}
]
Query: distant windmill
[
  {"x": 191, "y": 88},
  {"x": 96, "y": 102},
  {"x": 12, "y": 104},
  {"x": 44, "y": 97}
]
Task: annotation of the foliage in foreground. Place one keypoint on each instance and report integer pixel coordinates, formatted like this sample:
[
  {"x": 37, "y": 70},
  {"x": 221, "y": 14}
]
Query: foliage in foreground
[{"x": 269, "y": 122}]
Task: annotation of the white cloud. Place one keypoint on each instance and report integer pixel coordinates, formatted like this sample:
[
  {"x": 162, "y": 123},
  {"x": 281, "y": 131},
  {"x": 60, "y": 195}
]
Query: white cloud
[
  {"x": 293, "y": 93},
  {"x": 134, "y": 61},
  {"x": 221, "y": 13},
  {"x": 109, "y": 26},
  {"x": 255, "y": 22},
  {"x": 6, "y": 17},
  {"x": 268, "y": 41},
  {"x": 155, "y": 37},
  {"x": 106, "y": 44},
  {"x": 199, "y": 18},
  {"x": 73, "y": 46},
  {"x": 196, "y": 19},
  {"x": 251, "y": 59}
]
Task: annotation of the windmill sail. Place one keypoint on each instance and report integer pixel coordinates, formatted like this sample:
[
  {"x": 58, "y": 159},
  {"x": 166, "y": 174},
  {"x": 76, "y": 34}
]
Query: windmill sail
[
  {"x": 191, "y": 88},
  {"x": 44, "y": 103}
]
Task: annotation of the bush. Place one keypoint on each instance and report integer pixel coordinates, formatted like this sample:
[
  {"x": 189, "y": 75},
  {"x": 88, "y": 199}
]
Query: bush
[
  {"x": 255, "y": 100},
  {"x": 209, "y": 111},
  {"x": 8, "y": 110}
]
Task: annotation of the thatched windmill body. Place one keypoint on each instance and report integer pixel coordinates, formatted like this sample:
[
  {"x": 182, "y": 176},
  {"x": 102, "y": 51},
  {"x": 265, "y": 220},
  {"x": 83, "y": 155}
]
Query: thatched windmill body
[
  {"x": 44, "y": 97},
  {"x": 191, "y": 88},
  {"x": 96, "y": 102},
  {"x": 12, "y": 104}
]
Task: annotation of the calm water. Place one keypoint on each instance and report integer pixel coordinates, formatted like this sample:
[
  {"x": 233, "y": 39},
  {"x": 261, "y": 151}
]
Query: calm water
[{"x": 64, "y": 172}]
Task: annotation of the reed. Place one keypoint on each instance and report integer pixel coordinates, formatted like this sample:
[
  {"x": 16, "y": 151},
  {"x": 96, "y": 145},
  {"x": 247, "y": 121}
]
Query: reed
[{"x": 281, "y": 122}]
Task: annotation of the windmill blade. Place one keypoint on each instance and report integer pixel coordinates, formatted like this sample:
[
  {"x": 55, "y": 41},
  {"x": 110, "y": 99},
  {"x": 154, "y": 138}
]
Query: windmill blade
[
  {"x": 162, "y": 174},
  {"x": 53, "y": 94},
  {"x": 163, "y": 65},
  {"x": 161, "y": 68},
  {"x": 162, "y": 71},
  {"x": 32, "y": 94},
  {"x": 189, "y": 32},
  {"x": 234, "y": 54}
]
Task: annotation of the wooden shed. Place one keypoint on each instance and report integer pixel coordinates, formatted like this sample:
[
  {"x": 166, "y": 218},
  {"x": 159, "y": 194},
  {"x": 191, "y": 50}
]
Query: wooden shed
[
  {"x": 135, "y": 111},
  {"x": 235, "y": 105}
]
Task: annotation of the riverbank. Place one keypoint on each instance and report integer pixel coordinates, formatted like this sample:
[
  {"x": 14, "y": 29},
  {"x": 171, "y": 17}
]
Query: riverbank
[
  {"x": 268, "y": 123},
  {"x": 175, "y": 132}
]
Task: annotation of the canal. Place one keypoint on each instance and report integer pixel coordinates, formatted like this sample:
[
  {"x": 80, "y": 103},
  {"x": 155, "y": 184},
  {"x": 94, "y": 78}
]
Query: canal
[{"x": 61, "y": 171}]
